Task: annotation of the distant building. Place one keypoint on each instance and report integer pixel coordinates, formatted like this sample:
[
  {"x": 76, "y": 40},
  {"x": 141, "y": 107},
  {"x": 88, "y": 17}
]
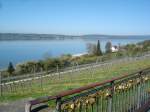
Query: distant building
[
  {"x": 79, "y": 55},
  {"x": 114, "y": 49}
]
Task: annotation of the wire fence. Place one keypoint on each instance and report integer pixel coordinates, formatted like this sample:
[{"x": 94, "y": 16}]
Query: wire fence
[{"x": 27, "y": 82}]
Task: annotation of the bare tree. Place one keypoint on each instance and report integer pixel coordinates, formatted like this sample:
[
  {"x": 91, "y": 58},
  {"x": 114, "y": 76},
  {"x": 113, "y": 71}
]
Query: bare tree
[{"x": 91, "y": 48}]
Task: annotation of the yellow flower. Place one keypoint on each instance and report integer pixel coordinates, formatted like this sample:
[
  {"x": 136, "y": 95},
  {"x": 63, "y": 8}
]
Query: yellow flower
[{"x": 72, "y": 106}]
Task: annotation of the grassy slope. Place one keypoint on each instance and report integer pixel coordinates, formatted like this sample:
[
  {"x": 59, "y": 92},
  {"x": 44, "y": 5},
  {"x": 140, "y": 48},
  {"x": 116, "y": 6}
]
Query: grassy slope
[{"x": 53, "y": 85}]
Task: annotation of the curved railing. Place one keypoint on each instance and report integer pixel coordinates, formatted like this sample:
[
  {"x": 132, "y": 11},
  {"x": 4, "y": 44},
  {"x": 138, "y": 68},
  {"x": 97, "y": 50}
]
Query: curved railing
[{"x": 128, "y": 93}]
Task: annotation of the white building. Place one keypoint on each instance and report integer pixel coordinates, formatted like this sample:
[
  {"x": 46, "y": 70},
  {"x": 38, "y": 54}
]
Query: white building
[{"x": 114, "y": 49}]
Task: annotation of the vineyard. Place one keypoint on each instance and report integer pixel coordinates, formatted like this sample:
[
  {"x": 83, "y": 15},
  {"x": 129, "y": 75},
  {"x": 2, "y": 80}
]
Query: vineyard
[{"x": 35, "y": 85}]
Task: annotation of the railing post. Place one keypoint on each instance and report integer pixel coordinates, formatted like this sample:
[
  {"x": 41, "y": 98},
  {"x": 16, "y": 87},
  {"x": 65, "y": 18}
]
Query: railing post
[
  {"x": 110, "y": 99},
  {"x": 139, "y": 91},
  {"x": 41, "y": 81},
  {"x": 27, "y": 107},
  {"x": 1, "y": 92},
  {"x": 58, "y": 104}
]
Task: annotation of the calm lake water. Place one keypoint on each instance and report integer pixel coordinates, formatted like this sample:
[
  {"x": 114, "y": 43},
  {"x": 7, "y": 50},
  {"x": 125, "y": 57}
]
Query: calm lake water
[{"x": 21, "y": 51}]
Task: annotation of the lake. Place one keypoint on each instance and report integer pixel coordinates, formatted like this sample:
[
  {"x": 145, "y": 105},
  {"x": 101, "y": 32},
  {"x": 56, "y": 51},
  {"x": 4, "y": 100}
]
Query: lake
[{"x": 21, "y": 51}]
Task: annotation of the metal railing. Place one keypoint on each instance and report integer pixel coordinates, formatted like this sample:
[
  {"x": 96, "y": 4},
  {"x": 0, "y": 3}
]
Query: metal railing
[{"x": 128, "y": 93}]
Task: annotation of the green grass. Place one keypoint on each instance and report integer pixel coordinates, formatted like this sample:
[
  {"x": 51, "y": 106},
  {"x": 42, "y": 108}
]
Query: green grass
[{"x": 53, "y": 85}]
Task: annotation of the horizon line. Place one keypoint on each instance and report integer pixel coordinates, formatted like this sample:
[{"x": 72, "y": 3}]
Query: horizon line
[{"x": 76, "y": 34}]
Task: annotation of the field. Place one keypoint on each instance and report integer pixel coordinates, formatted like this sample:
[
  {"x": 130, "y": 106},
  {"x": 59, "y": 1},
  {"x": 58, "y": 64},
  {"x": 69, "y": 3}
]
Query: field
[{"x": 56, "y": 83}]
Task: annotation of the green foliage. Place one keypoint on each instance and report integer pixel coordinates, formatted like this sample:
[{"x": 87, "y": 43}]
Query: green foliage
[
  {"x": 120, "y": 54},
  {"x": 87, "y": 59},
  {"x": 137, "y": 49},
  {"x": 107, "y": 57},
  {"x": 145, "y": 45},
  {"x": 65, "y": 60},
  {"x": 48, "y": 64}
]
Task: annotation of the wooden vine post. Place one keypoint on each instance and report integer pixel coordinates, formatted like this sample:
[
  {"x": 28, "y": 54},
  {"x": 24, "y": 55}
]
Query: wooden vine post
[{"x": 1, "y": 91}]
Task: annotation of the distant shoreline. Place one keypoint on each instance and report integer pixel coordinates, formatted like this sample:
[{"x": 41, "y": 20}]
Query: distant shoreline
[
  {"x": 36, "y": 49},
  {"x": 19, "y": 36}
]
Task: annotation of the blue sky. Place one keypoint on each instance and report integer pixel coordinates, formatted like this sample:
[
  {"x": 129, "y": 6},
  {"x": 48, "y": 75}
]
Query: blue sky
[{"x": 77, "y": 17}]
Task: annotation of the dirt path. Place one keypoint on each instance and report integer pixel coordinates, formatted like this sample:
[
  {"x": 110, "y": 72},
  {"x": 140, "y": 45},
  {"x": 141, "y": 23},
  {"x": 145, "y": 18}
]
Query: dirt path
[
  {"x": 19, "y": 106},
  {"x": 16, "y": 106}
]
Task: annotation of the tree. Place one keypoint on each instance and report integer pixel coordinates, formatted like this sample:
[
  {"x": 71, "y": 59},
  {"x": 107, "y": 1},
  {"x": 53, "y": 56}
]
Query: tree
[
  {"x": 98, "y": 49},
  {"x": 108, "y": 47},
  {"x": 91, "y": 48},
  {"x": 21, "y": 68},
  {"x": 94, "y": 49},
  {"x": 10, "y": 69},
  {"x": 48, "y": 64},
  {"x": 130, "y": 48}
]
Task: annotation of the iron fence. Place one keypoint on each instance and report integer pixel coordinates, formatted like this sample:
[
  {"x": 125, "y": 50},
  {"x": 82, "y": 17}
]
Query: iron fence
[{"x": 127, "y": 93}]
